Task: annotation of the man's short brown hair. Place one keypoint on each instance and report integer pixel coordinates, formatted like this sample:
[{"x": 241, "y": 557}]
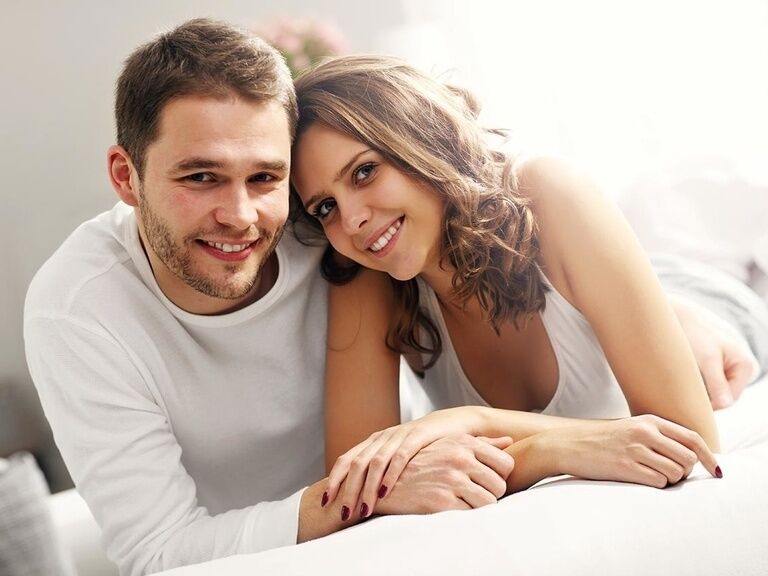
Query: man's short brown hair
[{"x": 199, "y": 58}]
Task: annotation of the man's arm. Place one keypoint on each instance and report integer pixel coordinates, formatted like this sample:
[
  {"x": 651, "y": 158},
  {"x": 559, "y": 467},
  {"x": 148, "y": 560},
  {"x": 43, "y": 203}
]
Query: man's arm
[{"x": 122, "y": 453}]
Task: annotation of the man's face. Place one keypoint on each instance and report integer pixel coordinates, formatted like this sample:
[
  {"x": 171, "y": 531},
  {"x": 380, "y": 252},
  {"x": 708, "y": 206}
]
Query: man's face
[{"x": 214, "y": 199}]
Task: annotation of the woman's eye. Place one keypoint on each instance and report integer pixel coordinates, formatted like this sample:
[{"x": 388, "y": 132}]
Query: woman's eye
[
  {"x": 323, "y": 209},
  {"x": 200, "y": 177},
  {"x": 363, "y": 172}
]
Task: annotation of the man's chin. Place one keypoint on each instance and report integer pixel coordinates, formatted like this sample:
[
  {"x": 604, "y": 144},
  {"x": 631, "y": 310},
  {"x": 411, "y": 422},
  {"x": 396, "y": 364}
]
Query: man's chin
[{"x": 224, "y": 289}]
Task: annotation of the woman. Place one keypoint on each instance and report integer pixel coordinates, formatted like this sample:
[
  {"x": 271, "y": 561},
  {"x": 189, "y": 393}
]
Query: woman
[{"x": 514, "y": 285}]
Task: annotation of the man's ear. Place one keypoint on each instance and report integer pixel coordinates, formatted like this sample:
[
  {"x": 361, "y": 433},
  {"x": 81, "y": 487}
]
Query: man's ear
[{"x": 122, "y": 174}]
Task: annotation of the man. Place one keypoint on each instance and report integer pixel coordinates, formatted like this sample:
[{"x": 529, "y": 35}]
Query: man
[{"x": 177, "y": 342}]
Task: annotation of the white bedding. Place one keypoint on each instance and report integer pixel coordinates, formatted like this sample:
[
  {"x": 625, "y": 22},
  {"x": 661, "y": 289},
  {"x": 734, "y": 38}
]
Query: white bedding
[{"x": 561, "y": 526}]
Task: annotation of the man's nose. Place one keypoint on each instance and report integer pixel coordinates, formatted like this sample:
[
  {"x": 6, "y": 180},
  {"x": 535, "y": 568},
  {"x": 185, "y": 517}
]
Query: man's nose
[{"x": 237, "y": 208}]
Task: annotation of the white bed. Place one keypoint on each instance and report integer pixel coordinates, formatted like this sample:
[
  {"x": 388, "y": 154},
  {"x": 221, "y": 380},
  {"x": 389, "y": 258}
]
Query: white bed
[{"x": 701, "y": 527}]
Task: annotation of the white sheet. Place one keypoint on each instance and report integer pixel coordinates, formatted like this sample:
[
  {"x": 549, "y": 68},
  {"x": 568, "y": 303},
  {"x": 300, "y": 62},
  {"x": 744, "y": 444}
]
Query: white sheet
[{"x": 701, "y": 527}]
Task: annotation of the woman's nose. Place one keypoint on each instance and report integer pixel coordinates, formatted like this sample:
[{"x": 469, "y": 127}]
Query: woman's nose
[{"x": 354, "y": 217}]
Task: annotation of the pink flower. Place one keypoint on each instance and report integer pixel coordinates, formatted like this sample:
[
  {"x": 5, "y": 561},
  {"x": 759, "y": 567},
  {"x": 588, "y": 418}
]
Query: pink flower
[{"x": 302, "y": 41}]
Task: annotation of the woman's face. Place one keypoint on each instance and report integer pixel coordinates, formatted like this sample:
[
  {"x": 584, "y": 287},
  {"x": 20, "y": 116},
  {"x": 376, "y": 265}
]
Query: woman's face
[{"x": 371, "y": 212}]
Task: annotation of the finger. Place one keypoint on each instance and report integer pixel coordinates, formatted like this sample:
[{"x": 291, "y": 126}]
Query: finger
[
  {"x": 502, "y": 442},
  {"x": 718, "y": 388},
  {"x": 692, "y": 441},
  {"x": 475, "y": 495},
  {"x": 410, "y": 444},
  {"x": 349, "y": 494},
  {"x": 739, "y": 375},
  {"x": 499, "y": 461},
  {"x": 459, "y": 504},
  {"x": 679, "y": 453},
  {"x": 341, "y": 468},
  {"x": 639, "y": 473},
  {"x": 670, "y": 469},
  {"x": 741, "y": 367},
  {"x": 380, "y": 464},
  {"x": 488, "y": 479}
]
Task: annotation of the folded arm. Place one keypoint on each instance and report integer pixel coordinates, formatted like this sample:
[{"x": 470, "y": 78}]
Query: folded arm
[{"x": 126, "y": 462}]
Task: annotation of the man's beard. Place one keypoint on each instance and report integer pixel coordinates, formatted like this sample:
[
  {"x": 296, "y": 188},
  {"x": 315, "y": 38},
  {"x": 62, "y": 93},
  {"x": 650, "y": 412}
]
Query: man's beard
[{"x": 177, "y": 258}]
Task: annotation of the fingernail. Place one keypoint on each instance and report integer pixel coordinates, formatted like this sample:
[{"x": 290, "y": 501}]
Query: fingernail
[
  {"x": 344, "y": 513},
  {"x": 718, "y": 472},
  {"x": 364, "y": 510},
  {"x": 324, "y": 501},
  {"x": 383, "y": 491}
]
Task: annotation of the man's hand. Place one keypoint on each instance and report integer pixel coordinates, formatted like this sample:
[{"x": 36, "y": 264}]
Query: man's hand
[
  {"x": 725, "y": 361},
  {"x": 370, "y": 468},
  {"x": 453, "y": 473}
]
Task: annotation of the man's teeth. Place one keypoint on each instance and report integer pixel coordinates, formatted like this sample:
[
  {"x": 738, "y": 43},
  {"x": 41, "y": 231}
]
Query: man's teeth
[
  {"x": 386, "y": 237},
  {"x": 228, "y": 247}
]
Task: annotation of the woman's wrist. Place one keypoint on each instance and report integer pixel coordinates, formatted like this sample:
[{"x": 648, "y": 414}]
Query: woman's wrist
[{"x": 536, "y": 457}]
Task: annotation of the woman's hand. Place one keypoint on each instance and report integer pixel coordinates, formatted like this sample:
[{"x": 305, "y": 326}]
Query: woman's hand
[
  {"x": 642, "y": 449},
  {"x": 369, "y": 470},
  {"x": 725, "y": 361}
]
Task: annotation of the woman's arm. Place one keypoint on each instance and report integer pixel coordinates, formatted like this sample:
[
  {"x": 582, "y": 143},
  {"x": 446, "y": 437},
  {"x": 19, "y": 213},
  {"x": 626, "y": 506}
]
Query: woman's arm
[
  {"x": 361, "y": 374},
  {"x": 593, "y": 258},
  {"x": 362, "y": 413}
]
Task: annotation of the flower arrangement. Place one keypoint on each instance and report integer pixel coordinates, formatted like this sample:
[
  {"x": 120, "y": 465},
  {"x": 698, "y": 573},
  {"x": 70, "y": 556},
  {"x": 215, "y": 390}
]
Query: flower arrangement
[{"x": 303, "y": 42}]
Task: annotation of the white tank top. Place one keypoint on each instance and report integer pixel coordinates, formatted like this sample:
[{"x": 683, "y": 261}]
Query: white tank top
[{"x": 586, "y": 388}]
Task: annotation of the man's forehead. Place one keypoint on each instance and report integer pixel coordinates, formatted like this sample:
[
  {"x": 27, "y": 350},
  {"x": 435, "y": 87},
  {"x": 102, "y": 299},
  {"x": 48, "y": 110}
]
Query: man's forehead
[
  {"x": 209, "y": 109},
  {"x": 206, "y": 130}
]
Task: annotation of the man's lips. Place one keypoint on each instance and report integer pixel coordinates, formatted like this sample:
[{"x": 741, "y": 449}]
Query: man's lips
[{"x": 229, "y": 251}]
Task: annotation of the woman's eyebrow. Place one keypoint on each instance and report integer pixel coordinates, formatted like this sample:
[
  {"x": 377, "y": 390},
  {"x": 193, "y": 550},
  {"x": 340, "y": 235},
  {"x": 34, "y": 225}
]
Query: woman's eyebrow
[
  {"x": 348, "y": 165},
  {"x": 339, "y": 175}
]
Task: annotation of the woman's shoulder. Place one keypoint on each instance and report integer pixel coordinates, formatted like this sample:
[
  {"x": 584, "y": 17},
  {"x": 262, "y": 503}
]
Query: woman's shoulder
[
  {"x": 552, "y": 182},
  {"x": 367, "y": 289},
  {"x": 567, "y": 205}
]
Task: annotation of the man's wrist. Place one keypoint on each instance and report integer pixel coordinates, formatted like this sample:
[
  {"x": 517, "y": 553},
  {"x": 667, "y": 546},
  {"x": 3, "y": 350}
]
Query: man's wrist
[{"x": 316, "y": 520}]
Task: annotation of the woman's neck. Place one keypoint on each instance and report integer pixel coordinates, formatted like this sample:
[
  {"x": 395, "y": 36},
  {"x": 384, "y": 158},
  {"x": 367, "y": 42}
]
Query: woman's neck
[{"x": 440, "y": 279}]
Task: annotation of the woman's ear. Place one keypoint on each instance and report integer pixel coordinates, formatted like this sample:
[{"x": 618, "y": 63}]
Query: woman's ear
[{"x": 120, "y": 169}]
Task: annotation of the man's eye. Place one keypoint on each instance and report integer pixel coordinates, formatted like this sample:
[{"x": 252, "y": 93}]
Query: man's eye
[
  {"x": 363, "y": 172},
  {"x": 262, "y": 177},
  {"x": 323, "y": 209},
  {"x": 200, "y": 177}
]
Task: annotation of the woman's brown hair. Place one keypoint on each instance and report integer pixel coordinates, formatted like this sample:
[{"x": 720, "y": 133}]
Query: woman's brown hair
[{"x": 430, "y": 131}]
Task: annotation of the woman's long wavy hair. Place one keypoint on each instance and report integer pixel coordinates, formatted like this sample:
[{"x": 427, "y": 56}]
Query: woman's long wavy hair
[{"x": 429, "y": 131}]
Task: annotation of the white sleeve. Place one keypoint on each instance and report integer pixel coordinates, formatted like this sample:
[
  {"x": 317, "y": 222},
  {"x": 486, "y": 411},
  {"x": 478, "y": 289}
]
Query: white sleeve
[{"x": 120, "y": 449}]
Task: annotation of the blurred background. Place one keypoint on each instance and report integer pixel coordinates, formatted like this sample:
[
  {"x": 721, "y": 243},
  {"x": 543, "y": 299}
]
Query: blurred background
[{"x": 664, "y": 102}]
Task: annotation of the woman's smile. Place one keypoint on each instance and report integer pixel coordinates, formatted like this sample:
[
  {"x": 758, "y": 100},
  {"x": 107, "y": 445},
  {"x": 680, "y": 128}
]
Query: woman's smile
[{"x": 382, "y": 243}]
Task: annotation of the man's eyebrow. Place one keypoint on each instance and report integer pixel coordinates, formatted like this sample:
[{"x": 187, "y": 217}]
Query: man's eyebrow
[
  {"x": 190, "y": 164},
  {"x": 339, "y": 175}
]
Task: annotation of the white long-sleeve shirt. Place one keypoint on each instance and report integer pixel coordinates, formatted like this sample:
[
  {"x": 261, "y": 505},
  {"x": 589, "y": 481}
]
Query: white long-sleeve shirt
[{"x": 190, "y": 437}]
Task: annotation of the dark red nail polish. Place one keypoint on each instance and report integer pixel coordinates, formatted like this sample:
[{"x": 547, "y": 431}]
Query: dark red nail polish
[
  {"x": 364, "y": 510},
  {"x": 383, "y": 491},
  {"x": 324, "y": 501},
  {"x": 718, "y": 472},
  {"x": 344, "y": 513}
]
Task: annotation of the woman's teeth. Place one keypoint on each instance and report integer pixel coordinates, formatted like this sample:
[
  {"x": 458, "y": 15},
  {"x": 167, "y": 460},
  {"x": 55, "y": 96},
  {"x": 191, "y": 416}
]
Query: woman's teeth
[
  {"x": 228, "y": 247},
  {"x": 386, "y": 237}
]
